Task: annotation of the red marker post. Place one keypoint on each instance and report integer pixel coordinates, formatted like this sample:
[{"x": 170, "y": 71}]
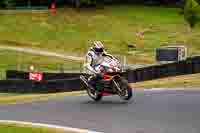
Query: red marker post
[{"x": 53, "y": 8}]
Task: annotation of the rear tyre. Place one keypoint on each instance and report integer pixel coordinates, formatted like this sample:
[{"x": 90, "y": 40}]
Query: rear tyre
[{"x": 126, "y": 91}]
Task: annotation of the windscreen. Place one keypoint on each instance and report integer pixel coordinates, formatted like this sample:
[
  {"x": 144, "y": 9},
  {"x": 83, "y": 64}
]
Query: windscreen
[{"x": 107, "y": 59}]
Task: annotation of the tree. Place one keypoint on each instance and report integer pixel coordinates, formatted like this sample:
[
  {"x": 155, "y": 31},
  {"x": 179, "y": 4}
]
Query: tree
[
  {"x": 192, "y": 12},
  {"x": 9, "y": 3}
]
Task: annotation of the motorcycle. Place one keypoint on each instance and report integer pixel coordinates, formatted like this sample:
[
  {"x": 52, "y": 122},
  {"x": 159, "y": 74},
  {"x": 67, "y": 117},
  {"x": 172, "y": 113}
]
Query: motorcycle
[{"x": 111, "y": 81}]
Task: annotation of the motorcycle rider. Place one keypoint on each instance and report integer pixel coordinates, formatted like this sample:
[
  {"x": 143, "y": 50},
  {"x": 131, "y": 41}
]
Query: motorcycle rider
[{"x": 94, "y": 54}]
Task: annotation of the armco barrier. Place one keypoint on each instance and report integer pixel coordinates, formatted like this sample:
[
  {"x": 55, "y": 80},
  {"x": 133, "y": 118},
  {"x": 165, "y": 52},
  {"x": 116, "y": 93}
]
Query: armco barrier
[
  {"x": 52, "y": 82},
  {"x": 59, "y": 82},
  {"x": 12, "y": 74},
  {"x": 195, "y": 63},
  {"x": 27, "y": 86},
  {"x": 189, "y": 66},
  {"x": 18, "y": 81}
]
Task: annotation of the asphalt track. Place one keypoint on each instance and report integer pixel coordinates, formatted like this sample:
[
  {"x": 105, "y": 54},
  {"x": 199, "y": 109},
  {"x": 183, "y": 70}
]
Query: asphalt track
[{"x": 149, "y": 112}]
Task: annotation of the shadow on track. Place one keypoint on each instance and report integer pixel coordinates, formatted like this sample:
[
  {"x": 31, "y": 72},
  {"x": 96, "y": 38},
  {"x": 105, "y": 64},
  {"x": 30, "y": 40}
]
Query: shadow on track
[{"x": 109, "y": 102}]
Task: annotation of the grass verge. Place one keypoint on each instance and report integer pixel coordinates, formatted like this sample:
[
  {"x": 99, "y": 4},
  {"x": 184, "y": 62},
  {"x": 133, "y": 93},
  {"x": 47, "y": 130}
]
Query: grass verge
[
  {"x": 18, "y": 128},
  {"x": 6, "y": 98},
  {"x": 42, "y": 63},
  {"x": 186, "y": 81},
  {"x": 21, "y": 61}
]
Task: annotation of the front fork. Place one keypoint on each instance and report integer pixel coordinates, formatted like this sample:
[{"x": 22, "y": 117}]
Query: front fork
[
  {"x": 116, "y": 86},
  {"x": 86, "y": 82}
]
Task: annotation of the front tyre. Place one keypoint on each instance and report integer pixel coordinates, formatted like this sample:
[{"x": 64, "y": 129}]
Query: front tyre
[
  {"x": 94, "y": 94},
  {"x": 91, "y": 93},
  {"x": 125, "y": 90}
]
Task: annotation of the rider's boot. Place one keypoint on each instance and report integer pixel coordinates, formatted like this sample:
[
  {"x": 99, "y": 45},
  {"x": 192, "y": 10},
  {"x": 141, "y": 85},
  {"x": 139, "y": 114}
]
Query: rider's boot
[{"x": 92, "y": 83}]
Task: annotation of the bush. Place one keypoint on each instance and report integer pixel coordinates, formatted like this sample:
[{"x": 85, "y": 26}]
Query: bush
[
  {"x": 191, "y": 12},
  {"x": 9, "y": 3},
  {"x": 89, "y": 3}
]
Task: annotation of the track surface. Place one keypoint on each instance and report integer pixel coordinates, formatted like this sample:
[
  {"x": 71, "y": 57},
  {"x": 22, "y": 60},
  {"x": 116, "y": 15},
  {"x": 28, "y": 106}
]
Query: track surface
[{"x": 149, "y": 112}]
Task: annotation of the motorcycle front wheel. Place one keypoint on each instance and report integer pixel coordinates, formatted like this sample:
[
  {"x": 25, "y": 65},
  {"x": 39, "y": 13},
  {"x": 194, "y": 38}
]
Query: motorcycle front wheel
[
  {"x": 125, "y": 92},
  {"x": 94, "y": 94},
  {"x": 91, "y": 93}
]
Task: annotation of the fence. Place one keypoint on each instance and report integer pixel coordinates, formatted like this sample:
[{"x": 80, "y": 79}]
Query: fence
[
  {"x": 55, "y": 68},
  {"x": 20, "y": 61},
  {"x": 28, "y": 86},
  {"x": 53, "y": 82},
  {"x": 189, "y": 66},
  {"x": 18, "y": 81}
]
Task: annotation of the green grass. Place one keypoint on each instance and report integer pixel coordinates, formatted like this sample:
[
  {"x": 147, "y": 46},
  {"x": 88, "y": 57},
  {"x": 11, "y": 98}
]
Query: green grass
[
  {"x": 16, "y": 128},
  {"x": 17, "y": 60},
  {"x": 8, "y": 94},
  {"x": 187, "y": 81},
  {"x": 13, "y": 98},
  {"x": 70, "y": 29}
]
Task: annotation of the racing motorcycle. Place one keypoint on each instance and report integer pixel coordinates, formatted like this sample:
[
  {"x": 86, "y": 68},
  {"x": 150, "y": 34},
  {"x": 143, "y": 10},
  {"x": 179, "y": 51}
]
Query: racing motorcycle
[{"x": 111, "y": 81}]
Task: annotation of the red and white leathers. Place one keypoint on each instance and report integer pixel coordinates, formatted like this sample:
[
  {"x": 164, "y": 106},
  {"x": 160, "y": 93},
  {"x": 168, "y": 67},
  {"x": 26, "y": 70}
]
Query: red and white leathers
[{"x": 91, "y": 59}]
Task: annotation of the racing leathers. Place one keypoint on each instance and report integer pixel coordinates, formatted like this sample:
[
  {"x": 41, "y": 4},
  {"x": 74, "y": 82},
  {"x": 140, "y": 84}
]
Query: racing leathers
[{"x": 91, "y": 61}]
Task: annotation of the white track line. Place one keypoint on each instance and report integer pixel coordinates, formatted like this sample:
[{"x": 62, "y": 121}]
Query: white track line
[
  {"x": 41, "y": 52},
  {"x": 169, "y": 89},
  {"x": 155, "y": 89},
  {"x": 69, "y": 129}
]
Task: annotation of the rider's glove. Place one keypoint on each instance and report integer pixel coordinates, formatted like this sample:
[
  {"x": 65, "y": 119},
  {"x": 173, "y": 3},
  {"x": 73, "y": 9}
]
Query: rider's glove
[{"x": 97, "y": 72}]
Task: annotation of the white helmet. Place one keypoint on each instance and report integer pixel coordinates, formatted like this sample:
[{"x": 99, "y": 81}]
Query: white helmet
[{"x": 98, "y": 46}]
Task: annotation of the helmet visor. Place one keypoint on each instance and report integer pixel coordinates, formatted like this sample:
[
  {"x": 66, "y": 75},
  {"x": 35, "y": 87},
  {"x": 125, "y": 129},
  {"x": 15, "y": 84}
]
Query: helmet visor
[{"x": 99, "y": 50}]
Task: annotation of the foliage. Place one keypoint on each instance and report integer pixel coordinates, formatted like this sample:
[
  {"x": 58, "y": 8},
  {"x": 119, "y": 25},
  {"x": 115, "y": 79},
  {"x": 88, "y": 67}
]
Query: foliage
[
  {"x": 8, "y": 3},
  {"x": 91, "y": 2},
  {"x": 191, "y": 12},
  {"x": 88, "y": 2},
  {"x": 11, "y": 3}
]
